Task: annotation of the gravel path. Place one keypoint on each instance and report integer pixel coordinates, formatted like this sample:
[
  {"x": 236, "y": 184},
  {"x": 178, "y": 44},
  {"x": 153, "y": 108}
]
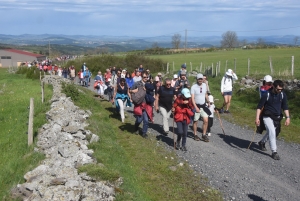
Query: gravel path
[{"x": 239, "y": 173}]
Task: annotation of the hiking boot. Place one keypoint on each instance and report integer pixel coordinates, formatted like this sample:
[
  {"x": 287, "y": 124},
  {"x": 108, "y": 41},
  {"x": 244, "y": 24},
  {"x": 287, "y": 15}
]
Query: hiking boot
[
  {"x": 226, "y": 112},
  {"x": 183, "y": 148},
  {"x": 262, "y": 146},
  {"x": 145, "y": 135},
  {"x": 221, "y": 111},
  {"x": 275, "y": 156},
  {"x": 205, "y": 138},
  {"x": 196, "y": 137},
  {"x": 165, "y": 133},
  {"x": 177, "y": 146}
]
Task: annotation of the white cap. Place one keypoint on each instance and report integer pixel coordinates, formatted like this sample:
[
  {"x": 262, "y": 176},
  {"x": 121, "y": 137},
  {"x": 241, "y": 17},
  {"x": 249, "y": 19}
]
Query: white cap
[
  {"x": 229, "y": 72},
  {"x": 199, "y": 75},
  {"x": 210, "y": 98},
  {"x": 268, "y": 78},
  {"x": 175, "y": 76}
]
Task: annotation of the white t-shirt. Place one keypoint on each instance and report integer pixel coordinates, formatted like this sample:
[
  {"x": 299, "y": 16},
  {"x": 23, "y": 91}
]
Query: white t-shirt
[{"x": 199, "y": 93}]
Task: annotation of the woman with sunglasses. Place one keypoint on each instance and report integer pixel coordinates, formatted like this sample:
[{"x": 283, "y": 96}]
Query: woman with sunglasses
[
  {"x": 183, "y": 111},
  {"x": 122, "y": 97}
]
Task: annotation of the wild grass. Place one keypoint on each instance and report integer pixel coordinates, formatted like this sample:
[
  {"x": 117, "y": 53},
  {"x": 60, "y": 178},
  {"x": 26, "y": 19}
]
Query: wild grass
[{"x": 16, "y": 157}]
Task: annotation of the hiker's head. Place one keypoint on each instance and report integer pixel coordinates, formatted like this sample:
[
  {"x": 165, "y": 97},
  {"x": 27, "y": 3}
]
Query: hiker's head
[
  {"x": 278, "y": 86},
  {"x": 118, "y": 73},
  {"x": 175, "y": 76},
  {"x": 183, "y": 74},
  {"x": 199, "y": 78},
  {"x": 186, "y": 93},
  {"x": 268, "y": 80},
  {"x": 167, "y": 83},
  {"x": 122, "y": 81},
  {"x": 145, "y": 76}
]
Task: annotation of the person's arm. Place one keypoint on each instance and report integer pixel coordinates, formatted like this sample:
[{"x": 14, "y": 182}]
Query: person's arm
[
  {"x": 287, "y": 118},
  {"x": 207, "y": 100},
  {"x": 128, "y": 93},
  {"x": 194, "y": 104},
  {"x": 234, "y": 76},
  {"x": 222, "y": 85},
  {"x": 257, "y": 121},
  {"x": 156, "y": 102},
  {"x": 115, "y": 92}
]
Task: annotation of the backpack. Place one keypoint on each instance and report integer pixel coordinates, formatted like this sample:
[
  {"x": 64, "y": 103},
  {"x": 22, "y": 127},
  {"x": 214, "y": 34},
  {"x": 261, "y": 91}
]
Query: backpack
[{"x": 138, "y": 97}]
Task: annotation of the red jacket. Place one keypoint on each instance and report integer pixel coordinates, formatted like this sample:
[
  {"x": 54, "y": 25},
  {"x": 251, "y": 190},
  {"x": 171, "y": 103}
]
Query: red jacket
[
  {"x": 183, "y": 111},
  {"x": 138, "y": 110}
]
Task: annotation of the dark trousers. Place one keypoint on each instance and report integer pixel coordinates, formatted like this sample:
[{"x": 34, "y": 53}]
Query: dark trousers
[
  {"x": 210, "y": 123},
  {"x": 182, "y": 127}
]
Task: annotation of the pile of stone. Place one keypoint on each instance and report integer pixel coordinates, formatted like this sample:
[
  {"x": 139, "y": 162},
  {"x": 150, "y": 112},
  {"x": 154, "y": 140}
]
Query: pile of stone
[
  {"x": 64, "y": 142},
  {"x": 250, "y": 82}
]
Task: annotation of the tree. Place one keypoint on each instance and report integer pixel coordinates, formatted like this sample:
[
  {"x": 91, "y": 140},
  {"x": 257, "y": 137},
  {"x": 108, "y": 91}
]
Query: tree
[
  {"x": 260, "y": 42},
  {"x": 176, "y": 38},
  {"x": 229, "y": 39},
  {"x": 296, "y": 40}
]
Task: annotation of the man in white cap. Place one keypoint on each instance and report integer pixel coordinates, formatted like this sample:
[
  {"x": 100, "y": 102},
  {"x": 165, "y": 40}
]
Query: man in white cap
[
  {"x": 226, "y": 89},
  {"x": 199, "y": 98}
]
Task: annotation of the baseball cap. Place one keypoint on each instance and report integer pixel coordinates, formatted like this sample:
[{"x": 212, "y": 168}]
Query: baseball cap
[
  {"x": 199, "y": 76},
  {"x": 175, "y": 76},
  {"x": 158, "y": 73},
  {"x": 183, "y": 72},
  {"x": 183, "y": 66},
  {"x": 268, "y": 78},
  {"x": 186, "y": 92}
]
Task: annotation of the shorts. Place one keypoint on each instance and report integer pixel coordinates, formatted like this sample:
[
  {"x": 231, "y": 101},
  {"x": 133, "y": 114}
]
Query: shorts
[
  {"x": 228, "y": 93},
  {"x": 202, "y": 113}
]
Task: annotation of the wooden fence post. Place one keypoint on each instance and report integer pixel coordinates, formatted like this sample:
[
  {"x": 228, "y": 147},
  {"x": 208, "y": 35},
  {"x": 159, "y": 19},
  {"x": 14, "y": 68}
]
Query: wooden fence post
[
  {"x": 271, "y": 66},
  {"x": 226, "y": 66},
  {"x": 168, "y": 67},
  {"x": 219, "y": 66},
  {"x": 212, "y": 69},
  {"x": 191, "y": 66},
  {"x": 248, "y": 66},
  {"x": 42, "y": 86},
  {"x": 292, "y": 65},
  {"x": 235, "y": 65},
  {"x": 30, "y": 123},
  {"x": 173, "y": 67},
  {"x": 200, "y": 67}
]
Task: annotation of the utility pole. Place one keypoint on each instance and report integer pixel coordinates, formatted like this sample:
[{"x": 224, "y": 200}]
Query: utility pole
[{"x": 185, "y": 41}]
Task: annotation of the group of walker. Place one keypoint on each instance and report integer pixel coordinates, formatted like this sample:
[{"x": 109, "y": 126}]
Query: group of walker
[{"x": 190, "y": 104}]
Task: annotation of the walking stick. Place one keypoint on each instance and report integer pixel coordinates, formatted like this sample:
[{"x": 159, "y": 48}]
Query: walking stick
[
  {"x": 220, "y": 122},
  {"x": 173, "y": 132},
  {"x": 252, "y": 137}
]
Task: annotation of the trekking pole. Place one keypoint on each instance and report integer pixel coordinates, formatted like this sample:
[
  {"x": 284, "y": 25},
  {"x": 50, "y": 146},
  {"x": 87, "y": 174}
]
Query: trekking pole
[
  {"x": 220, "y": 122},
  {"x": 252, "y": 137},
  {"x": 173, "y": 132}
]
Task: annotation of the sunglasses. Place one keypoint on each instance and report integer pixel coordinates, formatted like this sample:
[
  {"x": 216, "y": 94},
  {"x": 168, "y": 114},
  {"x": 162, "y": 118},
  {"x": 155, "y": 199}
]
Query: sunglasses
[
  {"x": 200, "y": 89},
  {"x": 145, "y": 77},
  {"x": 278, "y": 89},
  {"x": 168, "y": 84}
]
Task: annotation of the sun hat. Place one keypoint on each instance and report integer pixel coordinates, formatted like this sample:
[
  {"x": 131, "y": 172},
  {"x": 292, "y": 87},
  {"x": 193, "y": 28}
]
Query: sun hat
[
  {"x": 268, "y": 78},
  {"x": 158, "y": 73},
  {"x": 186, "y": 92},
  {"x": 210, "y": 98},
  {"x": 199, "y": 75},
  {"x": 175, "y": 76},
  {"x": 229, "y": 72}
]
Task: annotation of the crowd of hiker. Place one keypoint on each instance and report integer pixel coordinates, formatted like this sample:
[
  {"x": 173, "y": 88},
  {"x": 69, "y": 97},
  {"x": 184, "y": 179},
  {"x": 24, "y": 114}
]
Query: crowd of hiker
[{"x": 185, "y": 103}]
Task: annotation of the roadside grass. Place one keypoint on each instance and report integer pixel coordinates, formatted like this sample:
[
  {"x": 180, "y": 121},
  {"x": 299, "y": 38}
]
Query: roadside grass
[
  {"x": 144, "y": 165},
  {"x": 16, "y": 157}
]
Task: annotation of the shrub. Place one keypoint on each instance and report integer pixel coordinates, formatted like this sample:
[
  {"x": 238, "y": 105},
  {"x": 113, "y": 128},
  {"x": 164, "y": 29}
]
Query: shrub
[{"x": 70, "y": 90}]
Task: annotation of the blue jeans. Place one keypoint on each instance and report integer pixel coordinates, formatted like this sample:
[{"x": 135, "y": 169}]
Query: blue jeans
[
  {"x": 86, "y": 81},
  {"x": 182, "y": 127},
  {"x": 142, "y": 118}
]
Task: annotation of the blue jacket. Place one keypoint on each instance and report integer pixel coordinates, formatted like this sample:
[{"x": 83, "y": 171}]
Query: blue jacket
[
  {"x": 129, "y": 82},
  {"x": 123, "y": 97}
]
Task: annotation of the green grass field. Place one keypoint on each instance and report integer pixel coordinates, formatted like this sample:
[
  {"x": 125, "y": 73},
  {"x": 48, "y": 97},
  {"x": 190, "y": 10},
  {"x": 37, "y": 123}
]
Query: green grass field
[
  {"x": 243, "y": 105},
  {"x": 16, "y": 157},
  {"x": 259, "y": 60}
]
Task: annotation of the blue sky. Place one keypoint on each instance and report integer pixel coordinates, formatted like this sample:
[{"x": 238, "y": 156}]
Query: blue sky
[{"x": 149, "y": 18}]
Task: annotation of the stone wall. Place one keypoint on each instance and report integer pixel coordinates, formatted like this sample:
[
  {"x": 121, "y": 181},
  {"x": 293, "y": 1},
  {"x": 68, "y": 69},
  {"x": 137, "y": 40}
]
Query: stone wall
[{"x": 64, "y": 142}]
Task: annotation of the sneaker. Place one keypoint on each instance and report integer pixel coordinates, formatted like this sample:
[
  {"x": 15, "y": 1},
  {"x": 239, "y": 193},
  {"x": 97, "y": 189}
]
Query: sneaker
[
  {"x": 177, "y": 146},
  {"x": 208, "y": 134},
  {"x": 221, "y": 111},
  {"x": 262, "y": 146},
  {"x": 226, "y": 112},
  {"x": 183, "y": 148},
  {"x": 275, "y": 156},
  {"x": 196, "y": 137},
  {"x": 205, "y": 138},
  {"x": 145, "y": 135}
]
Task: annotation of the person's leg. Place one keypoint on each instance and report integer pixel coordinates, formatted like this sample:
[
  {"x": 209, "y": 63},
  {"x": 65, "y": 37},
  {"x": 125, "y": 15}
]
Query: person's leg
[
  {"x": 195, "y": 125},
  {"x": 166, "y": 116},
  {"x": 145, "y": 123},
  {"x": 271, "y": 133},
  {"x": 210, "y": 123},
  {"x": 204, "y": 125},
  {"x": 121, "y": 105},
  {"x": 179, "y": 133},
  {"x": 184, "y": 135},
  {"x": 228, "y": 102},
  {"x": 138, "y": 120}
]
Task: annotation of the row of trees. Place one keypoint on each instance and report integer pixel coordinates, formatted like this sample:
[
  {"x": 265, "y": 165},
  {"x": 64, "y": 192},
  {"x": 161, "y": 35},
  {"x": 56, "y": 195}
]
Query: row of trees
[{"x": 229, "y": 40}]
